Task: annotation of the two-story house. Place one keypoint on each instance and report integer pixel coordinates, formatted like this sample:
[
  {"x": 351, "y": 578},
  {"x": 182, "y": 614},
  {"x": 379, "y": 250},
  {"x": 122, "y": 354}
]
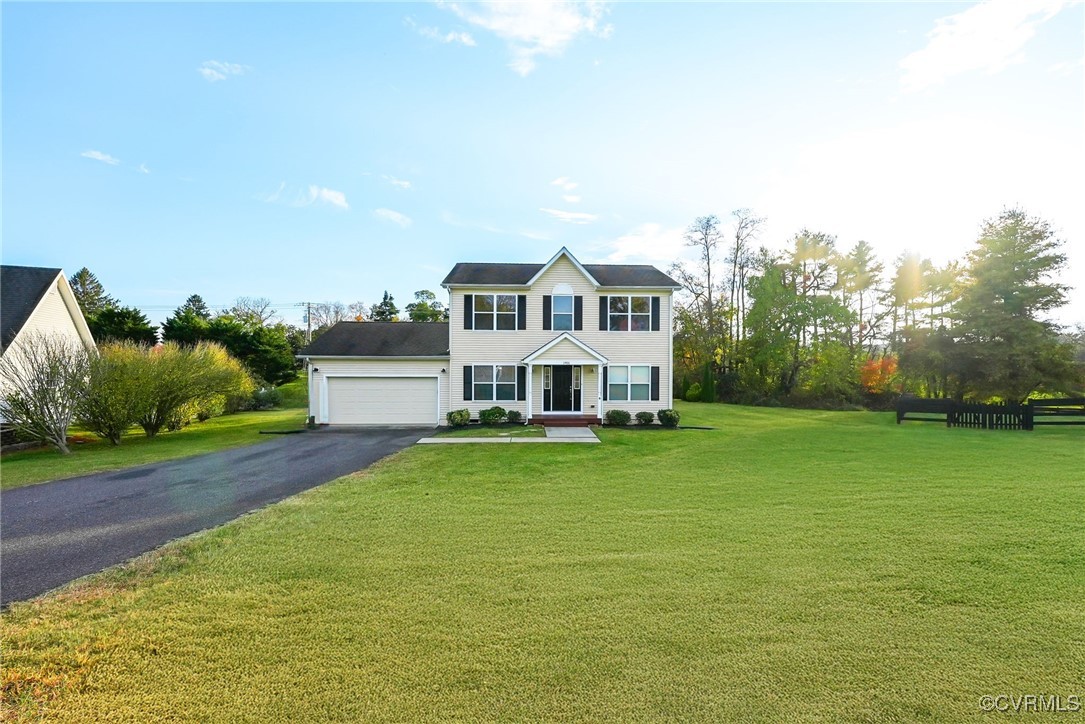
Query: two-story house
[{"x": 560, "y": 342}]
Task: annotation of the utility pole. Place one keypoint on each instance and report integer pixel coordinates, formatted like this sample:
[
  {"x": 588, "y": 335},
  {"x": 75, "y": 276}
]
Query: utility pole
[{"x": 308, "y": 322}]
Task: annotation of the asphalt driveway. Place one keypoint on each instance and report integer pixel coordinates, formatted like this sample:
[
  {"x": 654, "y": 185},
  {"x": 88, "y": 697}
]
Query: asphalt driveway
[{"x": 53, "y": 533}]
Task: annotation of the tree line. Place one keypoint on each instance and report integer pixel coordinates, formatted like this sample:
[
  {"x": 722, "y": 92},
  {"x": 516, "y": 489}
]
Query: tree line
[
  {"x": 250, "y": 330},
  {"x": 828, "y": 326}
]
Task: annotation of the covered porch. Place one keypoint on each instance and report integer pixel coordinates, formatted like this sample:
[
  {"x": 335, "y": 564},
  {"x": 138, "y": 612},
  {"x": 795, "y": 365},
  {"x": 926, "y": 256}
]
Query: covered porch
[{"x": 565, "y": 384}]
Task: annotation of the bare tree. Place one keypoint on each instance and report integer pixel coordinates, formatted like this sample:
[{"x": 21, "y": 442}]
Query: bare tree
[
  {"x": 256, "y": 311},
  {"x": 747, "y": 227},
  {"x": 43, "y": 378},
  {"x": 704, "y": 235}
]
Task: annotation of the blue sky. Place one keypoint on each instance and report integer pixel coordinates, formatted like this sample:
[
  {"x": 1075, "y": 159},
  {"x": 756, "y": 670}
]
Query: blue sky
[{"x": 330, "y": 152}]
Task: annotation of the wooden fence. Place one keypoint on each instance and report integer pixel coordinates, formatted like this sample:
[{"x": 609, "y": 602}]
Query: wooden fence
[{"x": 993, "y": 416}]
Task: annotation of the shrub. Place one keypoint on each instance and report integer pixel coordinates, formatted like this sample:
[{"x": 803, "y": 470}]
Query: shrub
[
  {"x": 708, "y": 383},
  {"x": 458, "y": 418},
  {"x": 208, "y": 407},
  {"x": 116, "y": 390},
  {"x": 618, "y": 417},
  {"x": 668, "y": 418},
  {"x": 43, "y": 376},
  {"x": 492, "y": 416},
  {"x": 693, "y": 393},
  {"x": 515, "y": 416},
  {"x": 645, "y": 418},
  {"x": 266, "y": 397}
]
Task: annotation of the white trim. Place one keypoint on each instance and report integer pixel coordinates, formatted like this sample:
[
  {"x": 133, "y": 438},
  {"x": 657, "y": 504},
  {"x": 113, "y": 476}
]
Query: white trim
[
  {"x": 67, "y": 297},
  {"x": 495, "y": 295},
  {"x": 670, "y": 351},
  {"x": 569, "y": 255},
  {"x": 328, "y": 375},
  {"x": 530, "y": 372},
  {"x": 596, "y": 358},
  {"x": 473, "y": 365},
  {"x": 572, "y": 379},
  {"x": 629, "y": 383}
]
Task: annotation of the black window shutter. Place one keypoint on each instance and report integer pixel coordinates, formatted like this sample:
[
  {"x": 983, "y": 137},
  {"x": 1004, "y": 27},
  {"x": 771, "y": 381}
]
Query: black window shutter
[
  {"x": 468, "y": 314},
  {"x": 655, "y": 383},
  {"x": 468, "y": 375},
  {"x": 521, "y": 311},
  {"x": 578, "y": 313},
  {"x": 606, "y": 387},
  {"x": 655, "y": 318},
  {"x": 546, "y": 311},
  {"x": 521, "y": 383},
  {"x": 604, "y": 301}
]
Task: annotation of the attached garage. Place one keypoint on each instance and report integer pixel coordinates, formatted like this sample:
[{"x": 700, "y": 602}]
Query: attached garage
[
  {"x": 383, "y": 401},
  {"x": 379, "y": 373}
]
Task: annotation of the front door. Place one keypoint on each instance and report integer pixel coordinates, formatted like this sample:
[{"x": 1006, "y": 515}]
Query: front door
[{"x": 563, "y": 393}]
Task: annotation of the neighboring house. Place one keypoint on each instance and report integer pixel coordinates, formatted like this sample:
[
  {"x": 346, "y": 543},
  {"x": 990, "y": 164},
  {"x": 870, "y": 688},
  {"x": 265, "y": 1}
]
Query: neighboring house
[
  {"x": 34, "y": 299},
  {"x": 559, "y": 342}
]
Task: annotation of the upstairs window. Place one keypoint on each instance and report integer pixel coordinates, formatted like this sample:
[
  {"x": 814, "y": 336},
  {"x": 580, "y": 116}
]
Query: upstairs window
[
  {"x": 562, "y": 313},
  {"x": 495, "y": 311},
  {"x": 630, "y": 314}
]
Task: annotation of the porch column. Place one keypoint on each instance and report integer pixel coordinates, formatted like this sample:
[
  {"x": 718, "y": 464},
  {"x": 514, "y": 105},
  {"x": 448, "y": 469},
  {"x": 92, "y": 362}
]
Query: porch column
[
  {"x": 530, "y": 373},
  {"x": 599, "y": 389}
]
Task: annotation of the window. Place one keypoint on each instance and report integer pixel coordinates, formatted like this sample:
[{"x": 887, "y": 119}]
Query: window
[
  {"x": 562, "y": 313},
  {"x": 633, "y": 382},
  {"x": 630, "y": 314},
  {"x": 546, "y": 377},
  {"x": 494, "y": 382},
  {"x": 495, "y": 311}
]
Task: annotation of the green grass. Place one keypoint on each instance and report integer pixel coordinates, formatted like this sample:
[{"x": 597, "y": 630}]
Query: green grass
[
  {"x": 95, "y": 455},
  {"x": 493, "y": 431},
  {"x": 788, "y": 566}
]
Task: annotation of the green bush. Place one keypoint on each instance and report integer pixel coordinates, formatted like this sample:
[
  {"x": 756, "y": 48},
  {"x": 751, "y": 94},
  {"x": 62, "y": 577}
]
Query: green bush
[
  {"x": 492, "y": 416},
  {"x": 515, "y": 416},
  {"x": 693, "y": 393},
  {"x": 618, "y": 417},
  {"x": 116, "y": 390},
  {"x": 668, "y": 418},
  {"x": 458, "y": 418},
  {"x": 645, "y": 418},
  {"x": 266, "y": 398},
  {"x": 208, "y": 407}
]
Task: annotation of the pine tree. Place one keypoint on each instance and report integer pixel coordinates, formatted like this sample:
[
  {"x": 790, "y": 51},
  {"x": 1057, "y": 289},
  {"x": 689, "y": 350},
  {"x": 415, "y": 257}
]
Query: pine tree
[
  {"x": 386, "y": 311},
  {"x": 89, "y": 293}
]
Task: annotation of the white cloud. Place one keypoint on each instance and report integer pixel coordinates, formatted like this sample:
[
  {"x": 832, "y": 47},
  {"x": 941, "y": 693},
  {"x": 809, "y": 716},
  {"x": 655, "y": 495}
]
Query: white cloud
[
  {"x": 214, "y": 70},
  {"x": 427, "y": 31},
  {"x": 649, "y": 243},
  {"x": 327, "y": 196},
  {"x": 306, "y": 197},
  {"x": 565, "y": 183},
  {"x": 988, "y": 37},
  {"x": 571, "y": 199},
  {"x": 99, "y": 156},
  {"x": 393, "y": 216},
  {"x": 570, "y": 217},
  {"x": 143, "y": 168},
  {"x": 534, "y": 29},
  {"x": 398, "y": 183}
]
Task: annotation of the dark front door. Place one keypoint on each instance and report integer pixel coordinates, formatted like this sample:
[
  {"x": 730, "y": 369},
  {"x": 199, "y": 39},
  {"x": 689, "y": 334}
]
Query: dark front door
[{"x": 561, "y": 389}]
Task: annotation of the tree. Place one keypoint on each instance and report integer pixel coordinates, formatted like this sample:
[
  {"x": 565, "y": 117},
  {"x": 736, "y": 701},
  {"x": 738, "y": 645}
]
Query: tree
[
  {"x": 426, "y": 308},
  {"x": 386, "y": 311},
  {"x": 265, "y": 351},
  {"x": 1005, "y": 347},
  {"x": 196, "y": 305},
  {"x": 117, "y": 390},
  {"x": 122, "y": 323},
  {"x": 43, "y": 377},
  {"x": 252, "y": 311},
  {"x": 89, "y": 293},
  {"x": 186, "y": 326}
]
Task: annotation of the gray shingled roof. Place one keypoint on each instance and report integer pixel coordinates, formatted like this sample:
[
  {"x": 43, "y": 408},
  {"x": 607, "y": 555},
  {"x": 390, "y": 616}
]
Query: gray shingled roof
[
  {"x": 381, "y": 339},
  {"x": 21, "y": 288},
  {"x": 608, "y": 275}
]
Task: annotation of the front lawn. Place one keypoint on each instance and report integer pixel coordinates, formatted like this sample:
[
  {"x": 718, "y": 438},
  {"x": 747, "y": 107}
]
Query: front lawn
[
  {"x": 96, "y": 455},
  {"x": 787, "y": 566}
]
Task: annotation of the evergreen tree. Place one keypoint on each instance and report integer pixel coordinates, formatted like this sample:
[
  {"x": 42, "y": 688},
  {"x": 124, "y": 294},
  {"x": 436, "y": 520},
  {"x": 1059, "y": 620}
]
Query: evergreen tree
[
  {"x": 89, "y": 293},
  {"x": 386, "y": 311},
  {"x": 196, "y": 305},
  {"x": 1005, "y": 347},
  {"x": 120, "y": 324}
]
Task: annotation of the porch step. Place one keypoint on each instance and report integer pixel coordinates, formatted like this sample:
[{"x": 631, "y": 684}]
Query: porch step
[{"x": 565, "y": 421}]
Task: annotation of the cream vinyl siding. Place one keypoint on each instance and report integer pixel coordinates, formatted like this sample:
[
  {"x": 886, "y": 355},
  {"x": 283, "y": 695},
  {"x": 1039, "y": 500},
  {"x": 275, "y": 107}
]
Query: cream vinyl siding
[
  {"x": 469, "y": 347},
  {"x": 330, "y": 371},
  {"x": 52, "y": 316}
]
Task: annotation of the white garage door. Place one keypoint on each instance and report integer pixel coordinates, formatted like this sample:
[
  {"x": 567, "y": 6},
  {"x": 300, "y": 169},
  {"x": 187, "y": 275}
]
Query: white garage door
[{"x": 382, "y": 400}]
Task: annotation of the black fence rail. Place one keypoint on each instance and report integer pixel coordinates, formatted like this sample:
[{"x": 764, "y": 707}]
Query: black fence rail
[
  {"x": 993, "y": 416},
  {"x": 1060, "y": 411}
]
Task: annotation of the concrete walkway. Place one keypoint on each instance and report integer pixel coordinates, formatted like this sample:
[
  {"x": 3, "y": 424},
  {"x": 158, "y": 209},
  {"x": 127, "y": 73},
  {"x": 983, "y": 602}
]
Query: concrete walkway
[{"x": 553, "y": 434}]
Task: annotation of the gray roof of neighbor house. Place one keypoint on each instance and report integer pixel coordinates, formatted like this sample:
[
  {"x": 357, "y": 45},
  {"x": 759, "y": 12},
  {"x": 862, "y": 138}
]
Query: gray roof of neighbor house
[
  {"x": 21, "y": 288},
  {"x": 608, "y": 275},
  {"x": 381, "y": 339}
]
